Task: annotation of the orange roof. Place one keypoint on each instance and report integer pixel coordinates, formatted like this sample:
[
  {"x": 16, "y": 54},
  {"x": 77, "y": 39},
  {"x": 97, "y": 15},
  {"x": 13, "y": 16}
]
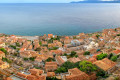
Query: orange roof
[
  {"x": 1, "y": 62},
  {"x": 31, "y": 77},
  {"x": 105, "y": 64},
  {"x": 66, "y": 37},
  {"x": 21, "y": 75},
  {"x": 92, "y": 60},
  {"x": 50, "y": 74},
  {"x": 42, "y": 77},
  {"x": 75, "y": 71},
  {"x": 2, "y": 52},
  {"x": 50, "y": 35},
  {"x": 8, "y": 78},
  {"x": 117, "y": 51},
  {"x": 51, "y": 65},
  {"x": 59, "y": 60},
  {"x": 35, "y": 71},
  {"x": 74, "y": 60},
  {"x": 56, "y": 51},
  {"x": 22, "y": 49},
  {"x": 76, "y": 74}
]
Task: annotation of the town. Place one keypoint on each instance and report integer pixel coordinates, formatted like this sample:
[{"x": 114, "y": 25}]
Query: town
[{"x": 86, "y": 56}]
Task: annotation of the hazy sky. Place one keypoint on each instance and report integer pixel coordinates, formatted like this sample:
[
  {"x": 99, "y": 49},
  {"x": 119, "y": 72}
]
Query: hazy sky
[
  {"x": 42, "y": 1},
  {"x": 36, "y": 1}
]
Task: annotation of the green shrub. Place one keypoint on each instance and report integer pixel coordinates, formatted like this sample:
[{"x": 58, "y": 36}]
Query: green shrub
[
  {"x": 101, "y": 56},
  {"x": 113, "y": 58},
  {"x": 3, "y": 50},
  {"x": 87, "y": 67},
  {"x": 87, "y": 53}
]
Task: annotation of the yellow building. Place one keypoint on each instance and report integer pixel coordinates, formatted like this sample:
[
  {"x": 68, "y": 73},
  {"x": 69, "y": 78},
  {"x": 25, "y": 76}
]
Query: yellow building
[
  {"x": 2, "y": 44},
  {"x": 3, "y": 65},
  {"x": 2, "y": 54}
]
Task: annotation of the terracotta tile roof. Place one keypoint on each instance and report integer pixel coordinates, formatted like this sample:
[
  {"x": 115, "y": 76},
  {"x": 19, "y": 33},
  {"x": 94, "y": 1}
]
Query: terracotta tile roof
[
  {"x": 76, "y": 74},
  {"x": 50, "y": 35},
  {"x": 92, "y": 60},
  {"x": 8, "y": 78},
  {"x": 105, "y": 64},
  {"x": 59, "y": 60},
  {"x": 1, "y": 62},
  {"x": 74, "y": 60},
  {"x": 21, "y": 75},
  {"x": 50, "y": 74},
  {"x": 117, "y": 51},
  {"x": 42, "y": 77},
  {"x": 67, "y": 37},
  {"x": 31, "y": 77},
  {"x": 50, "y": 66},
  {"x": 75, "y": 71},
  {"x": 36, "y": 71},
  {"x": 56, "y": 51},
  {"x": 1, "y": 52}
]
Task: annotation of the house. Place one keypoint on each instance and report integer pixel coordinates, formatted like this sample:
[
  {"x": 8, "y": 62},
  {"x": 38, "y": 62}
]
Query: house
[
  {"x": 106, "y": 65},
  {"x": 8, "y": 78},
  {"x": 21, "y": 75},
  {"x": 50, "y": 66},
  {"x": 22, "y": 49},
  {"x": 2, "y": 44},
  {"x": 36, "y": 72},
  {"x": 31, "y": 77},
  {"x": 57, "y": 52},
  {"x": 4, "y": 65},
  {"x": 2, "y": 54},
  {"x": 116, "y": 52},
  {"x": 92, "y": 60},
  {"x": 61, "y": 59},
  {"x": 50, "y": 74},
  {"x": 50, "y": 35},
  {"x": 75, "y": 42},
  {"x": 28, "y": 54},
  {"x": 76, "y": 74},
  {"x": 74, "y": 59}
]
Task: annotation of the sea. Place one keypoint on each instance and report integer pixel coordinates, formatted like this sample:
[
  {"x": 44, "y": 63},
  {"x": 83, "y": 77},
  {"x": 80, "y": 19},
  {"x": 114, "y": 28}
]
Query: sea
[{"x": 36, "y": 19}]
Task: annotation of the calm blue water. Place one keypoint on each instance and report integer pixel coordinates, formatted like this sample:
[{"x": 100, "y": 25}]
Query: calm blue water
[{"x": 60, "y": 19}]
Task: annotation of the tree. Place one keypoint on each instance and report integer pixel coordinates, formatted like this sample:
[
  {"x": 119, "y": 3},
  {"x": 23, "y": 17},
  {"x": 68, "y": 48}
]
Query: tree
[
  {"x": 61, "y": 70},
  {"x": 68, "y": 65},
  {"x": 54, "y": 48},
  {"x": 7, "y": 60},
  {"x": 100, "y": 73},
  {"x": 118, "y": 34},
  {"x": 40, "y": 43},
  {"x": 87, "y": 53},
  {"x": 76, "y": 56},
  {"x": 26, "y": 59},
  {"x": 114, "y": 58},
  {"x": 32, "y": 58},
  {"x": 49, "y": 59},
  {"x": 110, "y": 55},
  {"x": 17, "y": 44},
  {"x": 38, "y": 49},
  {"x": 101, "y": 56},
  {"x": 14, "y": 47},
  {"x": 97, "y": 35},
  {"x": 87, "y": 67},
  {"x": 73, "y": 53},
  {"x": 65, "y": 54},
  {"x": 3, "y": 50}
]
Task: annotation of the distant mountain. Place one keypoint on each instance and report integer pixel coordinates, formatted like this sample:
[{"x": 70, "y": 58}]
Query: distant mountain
[{"x": 96, "y": 1}]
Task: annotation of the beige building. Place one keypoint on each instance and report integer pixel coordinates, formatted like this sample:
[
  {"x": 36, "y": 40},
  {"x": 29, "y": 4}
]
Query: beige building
[
  {"x": 3, "y": 65},
  {"x": 2, "y": 54}
]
